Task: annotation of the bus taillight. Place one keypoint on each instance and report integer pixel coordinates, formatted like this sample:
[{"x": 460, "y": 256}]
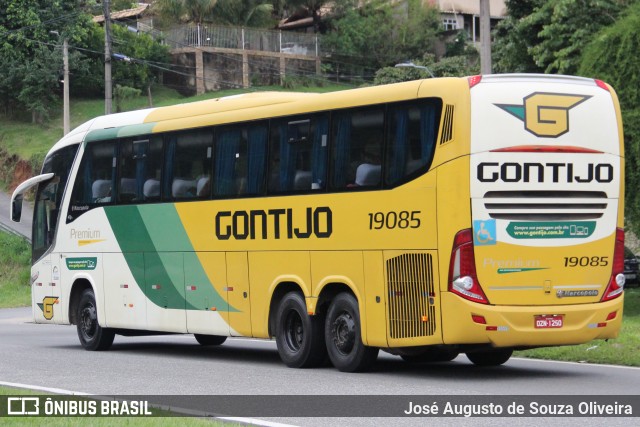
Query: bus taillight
[
  {"x": 616, "y": 283},
  {"x": 463, "y": 280}
]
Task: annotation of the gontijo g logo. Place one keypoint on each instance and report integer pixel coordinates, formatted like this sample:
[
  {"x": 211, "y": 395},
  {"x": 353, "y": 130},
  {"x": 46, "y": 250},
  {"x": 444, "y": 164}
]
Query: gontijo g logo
[{"x": 545, "y": 114}]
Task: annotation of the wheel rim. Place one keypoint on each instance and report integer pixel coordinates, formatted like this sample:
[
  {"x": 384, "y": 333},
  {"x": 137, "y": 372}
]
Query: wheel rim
[
  {"x": 294, "y": 331},
  {"x": 343, "y": 331},
  {"x": 88, "y": 321}
]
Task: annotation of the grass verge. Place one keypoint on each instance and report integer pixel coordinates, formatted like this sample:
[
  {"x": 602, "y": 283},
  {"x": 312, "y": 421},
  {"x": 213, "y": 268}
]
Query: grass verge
[
  {"x": 15, "y": 261},
  {"x": 164, "y": 421}
]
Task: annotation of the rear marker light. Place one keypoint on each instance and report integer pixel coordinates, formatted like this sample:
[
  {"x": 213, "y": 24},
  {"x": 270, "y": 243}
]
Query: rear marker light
[
  {"x": 612, "y": 315},
  {"x": 602, "y": 85},
  {"x": 479, "y": 319},
  {"x": 474, "y": 80}
]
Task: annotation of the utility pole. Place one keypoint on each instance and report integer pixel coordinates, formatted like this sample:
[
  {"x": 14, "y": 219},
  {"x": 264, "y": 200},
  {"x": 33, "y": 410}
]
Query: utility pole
[
  {"x": 108, "y": 90},
  {"x": 485, "y": 37},
  {"x": 65, "y": 115}
]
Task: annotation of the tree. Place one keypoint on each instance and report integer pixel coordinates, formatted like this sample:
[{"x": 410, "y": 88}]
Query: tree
[
  {"x": 380, "y": 34},
  {"x": 197, "y": 11},
  {"x": 612, "y": 56},
  {"x": 245, "y": 13},
  {"x": 28, "y": 63},
  {"x": 567, "y": 26},
  {"x": 514, "y": 37},
  {"x": 548, "y": 36}
]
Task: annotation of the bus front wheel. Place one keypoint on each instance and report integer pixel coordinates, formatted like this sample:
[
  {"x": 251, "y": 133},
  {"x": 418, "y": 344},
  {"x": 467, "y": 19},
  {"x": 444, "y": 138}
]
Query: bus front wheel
[
  {"x": 343, "y": 337},
  {"x": 299, "y": 336},
  {"x": 492, "y": 357},
  {"x": 92, "y": 336}
]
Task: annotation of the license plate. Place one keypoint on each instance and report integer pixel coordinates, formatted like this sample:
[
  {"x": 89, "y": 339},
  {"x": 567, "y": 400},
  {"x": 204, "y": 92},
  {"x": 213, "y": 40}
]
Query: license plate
[{"x": 548, "y": 321}]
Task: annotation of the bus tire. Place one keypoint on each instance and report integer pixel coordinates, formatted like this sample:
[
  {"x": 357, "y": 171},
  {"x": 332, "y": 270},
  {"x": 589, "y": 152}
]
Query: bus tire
[
  {"x": 93, "y": 337},
  {"x": 299, "y": 336},
  {"x": 207, "y": 340},
  {"x": 492, "y": 357},
  {"x": 431, "y": 355},
  {"x": 343, "y": 336}
]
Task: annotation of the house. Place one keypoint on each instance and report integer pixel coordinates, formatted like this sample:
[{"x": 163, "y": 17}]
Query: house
[
  {"x": 465, "y": 15},
  {"x": 137, "y": 18},
  {"x": 456, "y": 15}
]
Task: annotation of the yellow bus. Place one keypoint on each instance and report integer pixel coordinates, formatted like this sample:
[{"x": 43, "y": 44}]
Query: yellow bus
[{"x": 429, "y": 218}]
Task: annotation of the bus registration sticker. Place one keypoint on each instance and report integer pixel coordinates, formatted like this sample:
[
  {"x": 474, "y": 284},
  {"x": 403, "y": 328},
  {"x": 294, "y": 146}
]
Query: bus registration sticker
[{"x": 548, "y": 321}]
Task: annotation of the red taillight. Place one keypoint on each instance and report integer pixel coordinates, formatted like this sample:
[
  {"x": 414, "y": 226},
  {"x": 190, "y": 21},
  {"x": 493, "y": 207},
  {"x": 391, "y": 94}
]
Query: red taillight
[
  {"x": 602, "y": 84},
  {"x": 545, "y": 149},
  {"x": 463, "y": 280},
  {"x": 616, "y": 283},
  {"x": 473, "y": 80}
]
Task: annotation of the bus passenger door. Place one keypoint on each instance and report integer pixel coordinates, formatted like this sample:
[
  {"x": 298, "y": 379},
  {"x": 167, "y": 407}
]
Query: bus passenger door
[
  {"x": 238, "y": 294},
  {"x": 205, "y": 280},
  {"x": 45, "y": 290}
]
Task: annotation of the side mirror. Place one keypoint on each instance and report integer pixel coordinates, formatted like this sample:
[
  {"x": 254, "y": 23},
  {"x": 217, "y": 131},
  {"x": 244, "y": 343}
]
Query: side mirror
[
  {"x": 18, "y": 194},
  {"x": 16, "y": 208}
]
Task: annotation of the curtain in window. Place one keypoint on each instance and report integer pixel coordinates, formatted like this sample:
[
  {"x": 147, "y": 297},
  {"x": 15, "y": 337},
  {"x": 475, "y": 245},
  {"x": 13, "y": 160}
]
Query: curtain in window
[
  {"x": 400, "y": 147},
  {"x": 427, "y": 133},
  {"x": 319, "y": 152},
  {"x": 113, "y": 161},
  {"x": 288, "y": 154},
  {"x": 87, "y": 194},
  {"x": 342, "y": 151},
  {"x": 169, "y": 167},
  {"x": 140, "y": 156},
  {"x": 225, "y": 163},
  {"x": 257, "y": 158}
]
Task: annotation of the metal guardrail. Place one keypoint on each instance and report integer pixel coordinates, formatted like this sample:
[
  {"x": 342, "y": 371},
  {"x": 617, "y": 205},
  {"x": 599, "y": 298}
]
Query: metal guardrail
[{"x": 5, "y": 228}]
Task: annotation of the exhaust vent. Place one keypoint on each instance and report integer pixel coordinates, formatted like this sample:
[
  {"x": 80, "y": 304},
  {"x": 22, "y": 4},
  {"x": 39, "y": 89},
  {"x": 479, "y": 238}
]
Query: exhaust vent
[{"x": 411, "y": 290}]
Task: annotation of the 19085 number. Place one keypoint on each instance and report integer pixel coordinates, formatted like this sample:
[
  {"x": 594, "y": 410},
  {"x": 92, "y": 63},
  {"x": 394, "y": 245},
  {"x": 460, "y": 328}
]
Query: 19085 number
[
  {"x": 585, "y": 261},
  {"x": 392, "y": 219}
]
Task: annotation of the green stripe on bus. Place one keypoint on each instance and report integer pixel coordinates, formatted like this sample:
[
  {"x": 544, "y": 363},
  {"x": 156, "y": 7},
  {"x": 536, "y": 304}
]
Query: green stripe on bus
[
  {"x": 167, "y": 256},
  {"x": 133, "y": 130},
  {"x": 101, "y": 134}
]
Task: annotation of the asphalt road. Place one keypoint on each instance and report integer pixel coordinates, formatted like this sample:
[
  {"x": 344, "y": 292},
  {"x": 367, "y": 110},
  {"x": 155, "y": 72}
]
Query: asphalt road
[{"x": 50, "y": 356}]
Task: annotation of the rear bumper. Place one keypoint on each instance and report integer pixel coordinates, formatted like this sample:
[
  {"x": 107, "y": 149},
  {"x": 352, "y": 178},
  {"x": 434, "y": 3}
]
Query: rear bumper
[{"x": 513, "y": 326}]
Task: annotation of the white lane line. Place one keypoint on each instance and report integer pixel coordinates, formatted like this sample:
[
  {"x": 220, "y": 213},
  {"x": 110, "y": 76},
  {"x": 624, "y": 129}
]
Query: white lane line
[
  {"x": 47, "y": 389},
  {"x": 575, "y": 363},
  {"x": 248, "y": 421}
]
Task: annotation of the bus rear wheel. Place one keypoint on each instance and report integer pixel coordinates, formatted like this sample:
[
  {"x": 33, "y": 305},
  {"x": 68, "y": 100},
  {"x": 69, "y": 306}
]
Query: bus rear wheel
[
  {"x": 299, "y": 336},
  {"x": 492, "y": 357},
  {"x": 92, "y": 336},
  {"x": 209, "y": 339},
  {"x": 343, "y": 336}
]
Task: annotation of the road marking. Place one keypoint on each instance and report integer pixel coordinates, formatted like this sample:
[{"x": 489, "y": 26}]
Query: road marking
[
  {"x": 242, "y": 420},
  {"x": 575, "y": 363},
  {"x": 47, "y": 389}
]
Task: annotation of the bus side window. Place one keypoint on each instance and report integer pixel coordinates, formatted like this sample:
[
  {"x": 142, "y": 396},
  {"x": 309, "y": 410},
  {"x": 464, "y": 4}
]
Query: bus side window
[
  {"x": 97, "y": 174},
  {"x": 188, "y": 165},
  {"x": 412, "y": 135},
  {"x": 358, "y": 138},
  {"x": 240, "y": 160},
  {"x": 298, "y": 160}
]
